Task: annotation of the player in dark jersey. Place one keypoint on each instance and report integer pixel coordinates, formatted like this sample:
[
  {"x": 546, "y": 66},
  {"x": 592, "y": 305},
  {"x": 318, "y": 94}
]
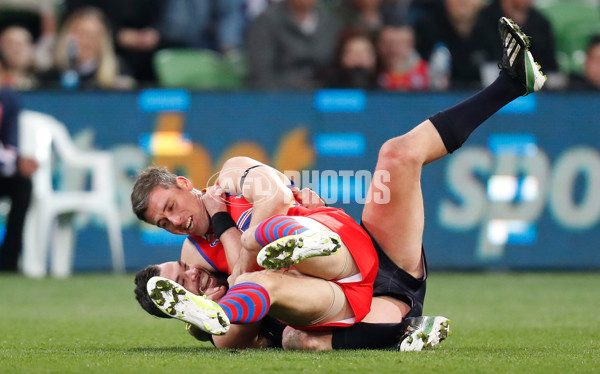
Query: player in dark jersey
[{"x": 399, "y": 288}]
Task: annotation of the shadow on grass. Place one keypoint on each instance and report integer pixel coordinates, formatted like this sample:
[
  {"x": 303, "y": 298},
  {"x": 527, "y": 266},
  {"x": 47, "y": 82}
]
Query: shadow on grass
[
  {"x": 159, "y": 350},
  {"x": 195, "y": 350}
]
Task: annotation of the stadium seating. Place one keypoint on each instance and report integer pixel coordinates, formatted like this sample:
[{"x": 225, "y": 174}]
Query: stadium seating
[
  {"x": 198, "y": 69},
  {"x": 573, "y": 22},
  {"x": 52, "y": 211}
]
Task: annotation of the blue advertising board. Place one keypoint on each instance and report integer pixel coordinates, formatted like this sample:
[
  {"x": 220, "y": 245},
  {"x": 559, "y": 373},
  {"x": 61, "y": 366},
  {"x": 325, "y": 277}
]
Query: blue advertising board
[{"x": 522, "y": 193}]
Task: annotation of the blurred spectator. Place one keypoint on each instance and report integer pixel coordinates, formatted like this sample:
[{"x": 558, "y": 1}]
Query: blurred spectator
[
  {"x": 451, "y": 23},
  {"x": 39, "y": 18},
  {"x": 290, "y": 44},
  {"x": 590, "y": 80},
  {"x": 17, "y": 52},
  {"x": 355, "y": 64},
  {"x": 15, "y": 180},
  {"x": 532, "y": 22},
  {"x": 34, "y": 15},
  {"x": 372, "y": 14},
  {"x": 402, "y": 67},
  {"x": 85, "y": 55},
  {"x": 135, "y": 35},
  {"x": 205, "y": 24}
]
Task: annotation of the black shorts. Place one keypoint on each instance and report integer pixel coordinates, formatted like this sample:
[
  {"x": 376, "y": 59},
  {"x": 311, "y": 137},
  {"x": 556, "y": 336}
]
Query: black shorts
[{"x": 397, "y": 283}]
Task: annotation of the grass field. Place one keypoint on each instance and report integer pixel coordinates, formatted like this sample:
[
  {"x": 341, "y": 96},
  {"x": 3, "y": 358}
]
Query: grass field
[{"x": 502, "y": 323}]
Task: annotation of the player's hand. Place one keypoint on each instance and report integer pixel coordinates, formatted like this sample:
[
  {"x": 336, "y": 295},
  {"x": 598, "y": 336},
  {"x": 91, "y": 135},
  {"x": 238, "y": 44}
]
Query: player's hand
[
  {"x": 238, "y": 269},
  {"x": 308, "y": 198},
  {"x": 215, "y": 293},
  {"x": 214, "y": 200},
  {"x": 235, "y": 272}
]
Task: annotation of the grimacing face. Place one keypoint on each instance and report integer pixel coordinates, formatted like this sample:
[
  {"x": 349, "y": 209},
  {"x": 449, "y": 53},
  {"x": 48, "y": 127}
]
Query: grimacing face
[
  {"x": 178, "y": 210},
  {"x": 193, "y": 278}
]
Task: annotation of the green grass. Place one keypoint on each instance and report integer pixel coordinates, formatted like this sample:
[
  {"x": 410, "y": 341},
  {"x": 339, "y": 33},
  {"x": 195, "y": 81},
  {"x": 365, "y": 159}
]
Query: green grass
[{"x": 502, "y": 323}]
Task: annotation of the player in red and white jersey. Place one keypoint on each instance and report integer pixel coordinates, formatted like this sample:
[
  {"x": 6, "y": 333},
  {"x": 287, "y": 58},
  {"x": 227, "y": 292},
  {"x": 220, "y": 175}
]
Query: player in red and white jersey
[
  {"x": 359, "y": 247},
  {"x": 395, "y": 223},
  {"x": 345, "y": 280}
]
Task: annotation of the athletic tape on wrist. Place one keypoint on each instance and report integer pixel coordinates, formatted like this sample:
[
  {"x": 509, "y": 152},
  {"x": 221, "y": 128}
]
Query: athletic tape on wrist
[{"x": 221, "y": 222}]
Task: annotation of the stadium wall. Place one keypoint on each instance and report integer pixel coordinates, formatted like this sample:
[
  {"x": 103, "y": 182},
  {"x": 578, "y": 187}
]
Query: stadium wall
[{"x": 522, "y": 194}]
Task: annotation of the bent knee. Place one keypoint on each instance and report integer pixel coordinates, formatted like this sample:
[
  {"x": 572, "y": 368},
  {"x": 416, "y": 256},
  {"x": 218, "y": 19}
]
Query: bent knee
[
  {"x": 249, "y": 241},
  {"x": 402, "y": 151}
]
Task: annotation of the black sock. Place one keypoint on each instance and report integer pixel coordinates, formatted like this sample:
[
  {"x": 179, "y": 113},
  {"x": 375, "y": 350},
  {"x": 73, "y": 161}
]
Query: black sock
[
  {"x": 456, "y": 124},
  {"x": 368, "y": 336}
]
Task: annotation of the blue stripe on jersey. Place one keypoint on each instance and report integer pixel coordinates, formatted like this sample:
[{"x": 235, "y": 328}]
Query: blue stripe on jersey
[
  {"x": 202, "y": 253},
  {"x": 244, "y": 221}
]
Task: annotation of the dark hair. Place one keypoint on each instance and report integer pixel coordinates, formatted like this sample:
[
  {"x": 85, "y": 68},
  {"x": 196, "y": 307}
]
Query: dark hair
[
  {"x": 594, "y": 41},
  {"x": 347, "y": 35},
  {"x": 340, "y": 76},
  {"x": 141, "y": 292},
  {"x": 146, "y": 181}
]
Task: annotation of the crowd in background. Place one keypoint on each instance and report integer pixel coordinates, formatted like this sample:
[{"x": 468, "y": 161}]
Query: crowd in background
[{"x": 394, "y": 45}]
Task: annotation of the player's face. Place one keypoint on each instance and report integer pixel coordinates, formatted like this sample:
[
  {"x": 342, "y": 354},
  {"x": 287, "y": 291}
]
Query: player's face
[
  {"x": 193, "y": 278},
  {"x": 178, "y": 210}
]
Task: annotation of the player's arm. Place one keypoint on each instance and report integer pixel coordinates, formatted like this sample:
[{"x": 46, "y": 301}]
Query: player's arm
[
  {"x": 308, "y": 198},
  {"x": 266, "y": 189},
  {"x": 232, "y": 244},
  {"x": 238, "y": 337},
  {"x": 261, "y": 185},
  {"x": 229, "y": 235}
]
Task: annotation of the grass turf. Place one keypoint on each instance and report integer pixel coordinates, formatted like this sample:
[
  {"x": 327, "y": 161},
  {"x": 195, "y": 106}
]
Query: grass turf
[{"x": 502, "y": 323}]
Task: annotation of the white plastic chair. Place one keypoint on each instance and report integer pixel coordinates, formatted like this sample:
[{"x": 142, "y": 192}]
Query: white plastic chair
[{"x": 51, "y": 214}]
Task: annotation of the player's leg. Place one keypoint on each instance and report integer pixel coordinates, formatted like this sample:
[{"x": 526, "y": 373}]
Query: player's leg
[
  {"x": 395, "y": 193},
  {"x": 413, "y": 334},
  {"x": 401, "y": 158},
  {"x": 399, "y": 164},
  {"x": 300, "y": 300},
  {"x": 291, "y": 297},
  {"x": 393, "y": 213},
  {"x": 307, "y": 245}
]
